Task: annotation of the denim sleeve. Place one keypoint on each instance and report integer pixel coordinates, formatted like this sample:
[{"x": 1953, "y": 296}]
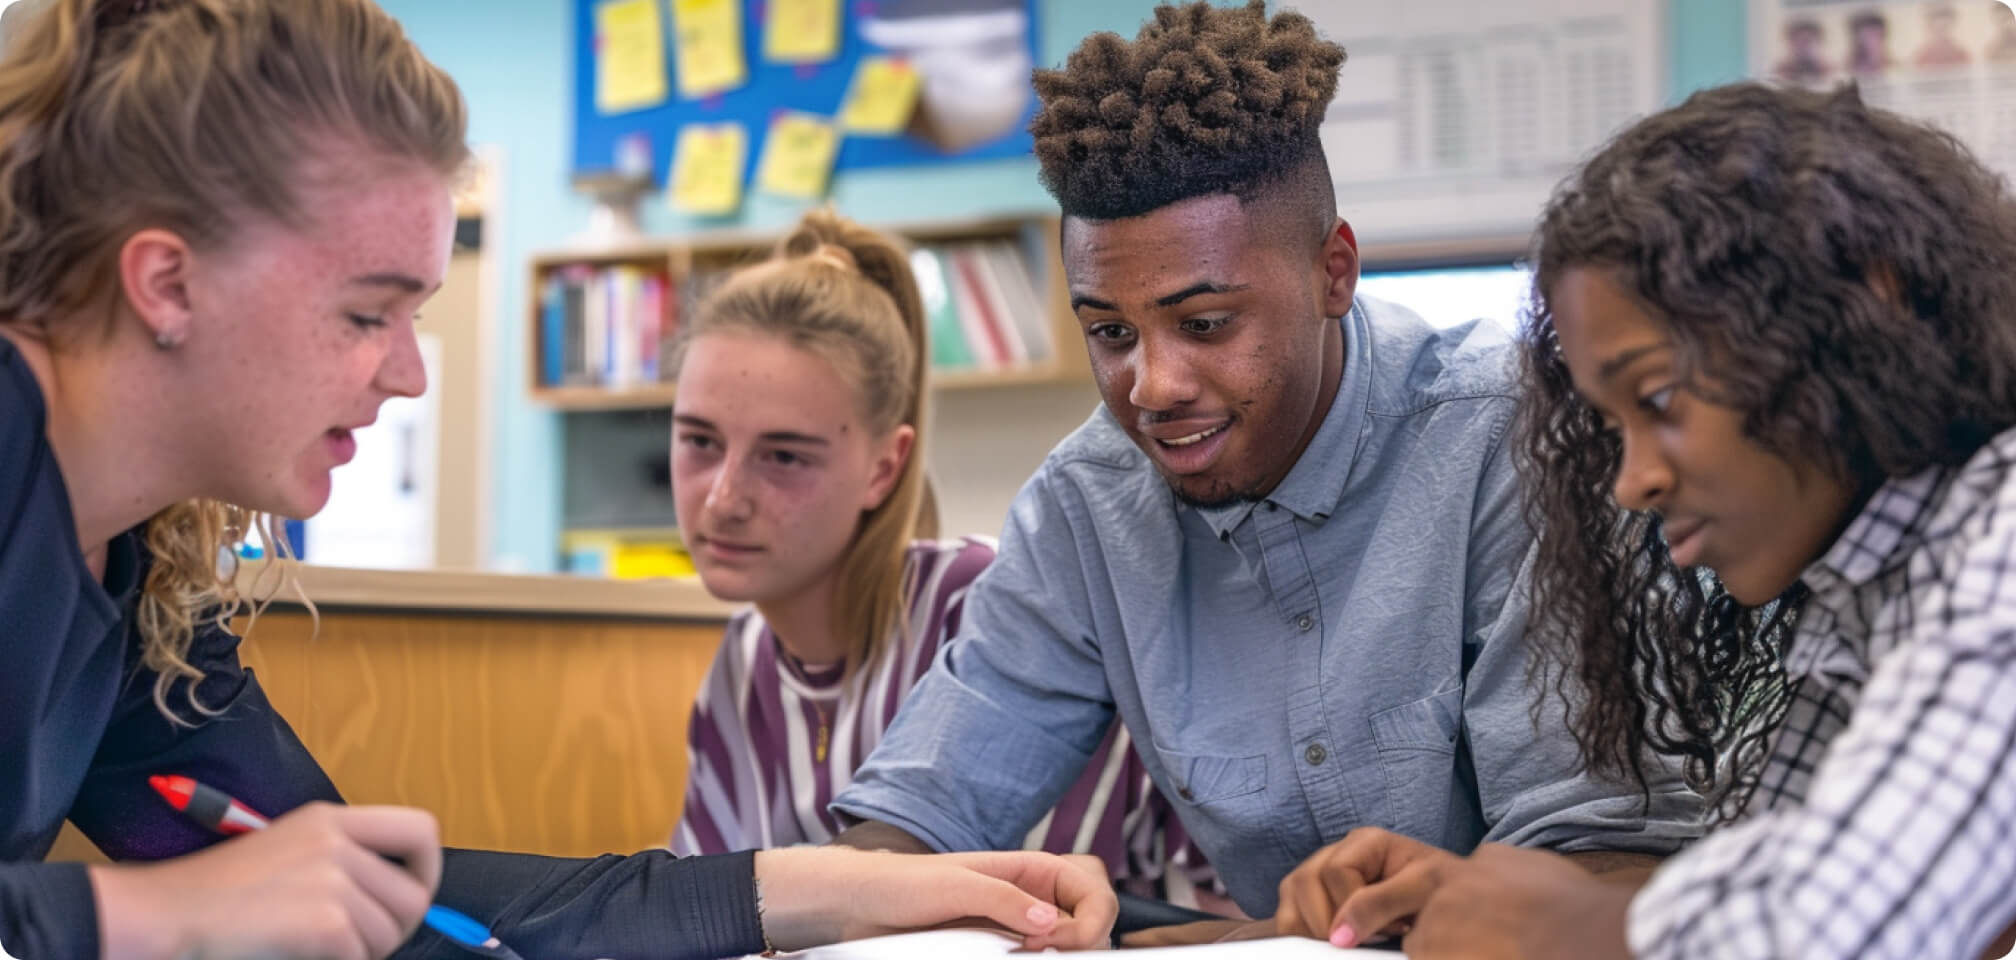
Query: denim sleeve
[
  {"x": 1530, "y": 781},
  {"x": 1013, "y": 708}
]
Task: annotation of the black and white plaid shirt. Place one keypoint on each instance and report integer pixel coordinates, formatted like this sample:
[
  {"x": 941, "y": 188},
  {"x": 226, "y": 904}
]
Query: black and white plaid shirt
[{"x": 1884, "y": 824}]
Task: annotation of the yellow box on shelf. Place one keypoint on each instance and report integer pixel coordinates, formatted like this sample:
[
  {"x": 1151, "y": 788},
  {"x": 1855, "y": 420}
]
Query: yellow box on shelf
[
  {"x": 645, "y": 561},
  {"x": 641, "y": 553}
]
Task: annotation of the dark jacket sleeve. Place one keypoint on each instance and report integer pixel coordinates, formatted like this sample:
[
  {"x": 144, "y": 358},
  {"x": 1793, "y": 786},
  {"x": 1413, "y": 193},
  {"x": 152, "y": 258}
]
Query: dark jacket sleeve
[
  {"x": 645, "y": 905},
  {"x": 229, "y": 737},
  {"x": 46, "y": 910}
]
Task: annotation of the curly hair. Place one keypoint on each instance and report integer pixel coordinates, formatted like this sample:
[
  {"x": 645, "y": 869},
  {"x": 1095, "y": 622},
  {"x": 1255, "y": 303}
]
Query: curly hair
[
  {"x": 1205, "y": 100},
  {"x": 190, "y": 585},
  {"x": 1837, "y": 274}
]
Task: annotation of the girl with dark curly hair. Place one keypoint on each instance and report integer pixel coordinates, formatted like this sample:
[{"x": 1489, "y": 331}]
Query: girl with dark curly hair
[
  {"x": 1769, "y": 386},
  {"x": 218, "y": 220}
]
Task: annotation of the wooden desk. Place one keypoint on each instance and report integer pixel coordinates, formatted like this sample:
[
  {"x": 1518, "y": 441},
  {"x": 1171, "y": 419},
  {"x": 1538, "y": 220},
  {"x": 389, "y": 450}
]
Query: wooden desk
[{"x": 539, "y": 714}]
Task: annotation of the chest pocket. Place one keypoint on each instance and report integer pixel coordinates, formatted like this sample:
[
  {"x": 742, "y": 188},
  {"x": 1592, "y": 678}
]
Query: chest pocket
[
  {"x": 1202, "y": 778},
  {"x": 1417, "y": 752},
  {"x": 1227, "y": 793}
]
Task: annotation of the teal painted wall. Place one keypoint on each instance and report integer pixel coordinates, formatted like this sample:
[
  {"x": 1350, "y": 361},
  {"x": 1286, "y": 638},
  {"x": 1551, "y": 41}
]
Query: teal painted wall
[
  {"x": 512, "y": 64},
  {"x": 1708, "y": 44}
]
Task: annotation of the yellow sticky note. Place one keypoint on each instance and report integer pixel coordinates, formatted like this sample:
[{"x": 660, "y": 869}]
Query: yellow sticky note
[
  {"x": 709, "y": 37},
  {"x": 707, "y": 165},
  {"x": 798, "y": 155},
  {"x": 881, "y": 97},
  {"x": 629, "y": 56},
  {"x": 801, "y": 31}
]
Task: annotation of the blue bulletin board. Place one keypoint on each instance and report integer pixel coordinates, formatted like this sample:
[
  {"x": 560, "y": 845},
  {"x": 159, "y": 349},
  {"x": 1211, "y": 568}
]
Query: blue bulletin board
[{"x": 814, "y": 88}]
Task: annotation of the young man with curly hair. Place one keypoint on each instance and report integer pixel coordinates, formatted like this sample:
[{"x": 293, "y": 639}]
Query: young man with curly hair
[{"x": 1287, "y": 550}]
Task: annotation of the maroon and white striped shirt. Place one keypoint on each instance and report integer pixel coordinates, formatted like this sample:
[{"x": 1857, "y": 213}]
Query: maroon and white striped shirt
[{"x": 756, "y": 777}]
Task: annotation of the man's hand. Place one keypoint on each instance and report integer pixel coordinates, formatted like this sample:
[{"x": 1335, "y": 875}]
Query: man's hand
[
  {"x": 1505, "y": 903},
  {"x": 2002, "y": 946},
  {"x": 1393, "y": 872}
]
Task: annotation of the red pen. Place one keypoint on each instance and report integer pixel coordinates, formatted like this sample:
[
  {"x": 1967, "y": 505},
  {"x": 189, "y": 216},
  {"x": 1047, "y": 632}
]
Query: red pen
[
  {"x": 208, "y": 806},
  {"x": 217, "y": 811}
]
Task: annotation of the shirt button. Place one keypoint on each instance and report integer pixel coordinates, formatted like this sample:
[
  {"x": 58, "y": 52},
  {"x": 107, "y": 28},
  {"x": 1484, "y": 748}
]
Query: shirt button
[
  {"x": 1305, "y": 622},
  {"x": 1315, "y": 754},
  {"x": 1185, "y": 793}
]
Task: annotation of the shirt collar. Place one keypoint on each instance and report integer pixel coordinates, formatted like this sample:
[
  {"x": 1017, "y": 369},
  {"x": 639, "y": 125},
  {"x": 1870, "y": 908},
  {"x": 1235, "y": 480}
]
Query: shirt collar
[
  {"x": 1315, "y": 484},
  {"x": 1880, "y": 535}
]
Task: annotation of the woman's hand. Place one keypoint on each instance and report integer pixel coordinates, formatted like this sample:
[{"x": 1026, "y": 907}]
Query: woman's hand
[
  {"x": 815, "y": 895},
  {"x": 314, "y": 884}
]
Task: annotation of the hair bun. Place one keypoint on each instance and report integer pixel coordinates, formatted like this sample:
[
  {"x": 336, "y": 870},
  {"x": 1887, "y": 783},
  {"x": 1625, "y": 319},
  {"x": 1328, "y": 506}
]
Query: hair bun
[{"x": 837, "y": 255}]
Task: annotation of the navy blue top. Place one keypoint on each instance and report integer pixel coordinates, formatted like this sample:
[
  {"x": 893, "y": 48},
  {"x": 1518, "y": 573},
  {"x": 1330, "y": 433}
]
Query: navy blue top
[{"x": 80, "y": 734}]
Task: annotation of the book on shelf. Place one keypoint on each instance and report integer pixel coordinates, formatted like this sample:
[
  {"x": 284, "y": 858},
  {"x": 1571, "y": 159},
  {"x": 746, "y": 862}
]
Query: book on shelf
[
  {"x": 605, "y": 326},
  {"x": 978, "y": 321},
  {"x": 612, "y": 326},
  {"x": 934, "y": 286},
  {"x": 1023, "y": 306},
  {"x": 982, "y": 305}
]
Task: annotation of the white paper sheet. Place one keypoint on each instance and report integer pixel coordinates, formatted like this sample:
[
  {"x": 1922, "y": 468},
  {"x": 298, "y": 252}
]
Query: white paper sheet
[{"x": 974, "y": 944}]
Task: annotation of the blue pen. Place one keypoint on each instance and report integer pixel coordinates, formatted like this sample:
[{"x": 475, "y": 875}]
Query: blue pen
[
  {"x": 468, "y": 934},
  {"x": 215, "y": 810}
]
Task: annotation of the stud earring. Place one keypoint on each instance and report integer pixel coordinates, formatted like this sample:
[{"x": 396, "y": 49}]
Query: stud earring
[{"x": 166, "y": 340}]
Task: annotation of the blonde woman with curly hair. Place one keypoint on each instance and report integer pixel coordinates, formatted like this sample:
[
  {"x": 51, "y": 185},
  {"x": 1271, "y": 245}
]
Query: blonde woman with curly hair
[{"x": 218, "y": 219}]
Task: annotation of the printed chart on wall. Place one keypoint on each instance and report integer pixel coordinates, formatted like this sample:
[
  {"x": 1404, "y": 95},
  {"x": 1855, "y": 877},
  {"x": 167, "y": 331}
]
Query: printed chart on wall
[
  {"x": 1950, "y": 62},
  {"x": 1457, "y": 118}
]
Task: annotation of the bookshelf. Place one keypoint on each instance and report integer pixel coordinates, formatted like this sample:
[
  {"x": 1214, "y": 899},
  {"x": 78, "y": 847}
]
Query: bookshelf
[{"x": 601, "y": 320}]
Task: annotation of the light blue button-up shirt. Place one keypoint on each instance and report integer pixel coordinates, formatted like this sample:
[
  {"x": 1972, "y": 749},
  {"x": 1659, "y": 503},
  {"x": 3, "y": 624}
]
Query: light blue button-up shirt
[{"x": 1346, "y": 652}]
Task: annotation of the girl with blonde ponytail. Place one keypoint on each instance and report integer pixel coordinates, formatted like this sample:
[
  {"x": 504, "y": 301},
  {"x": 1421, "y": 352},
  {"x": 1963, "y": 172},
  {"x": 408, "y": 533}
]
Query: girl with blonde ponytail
[
  {"x": 798, "y": 473},
  {"x": 218, "y": 219}
]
